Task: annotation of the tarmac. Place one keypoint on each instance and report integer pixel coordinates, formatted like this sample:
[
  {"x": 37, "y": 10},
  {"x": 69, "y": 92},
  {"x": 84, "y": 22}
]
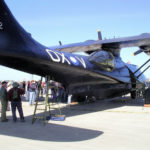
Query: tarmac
[{"x": 105, "y": 125}]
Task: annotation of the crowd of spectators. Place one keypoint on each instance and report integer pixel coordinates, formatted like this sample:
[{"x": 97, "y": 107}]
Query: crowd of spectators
[
  {"x": 32, "y": 87},
  {"x": 12, "y": 93}
]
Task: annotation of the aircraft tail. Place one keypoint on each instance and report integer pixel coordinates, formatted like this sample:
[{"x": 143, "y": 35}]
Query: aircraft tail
[{"x": 12, "y": 35}]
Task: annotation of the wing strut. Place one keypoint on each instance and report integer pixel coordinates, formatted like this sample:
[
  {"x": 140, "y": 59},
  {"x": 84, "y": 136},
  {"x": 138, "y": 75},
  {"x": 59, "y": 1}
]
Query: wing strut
[
  {"x": 142, "y": 67},
  {"x": 143, "y": 71}
]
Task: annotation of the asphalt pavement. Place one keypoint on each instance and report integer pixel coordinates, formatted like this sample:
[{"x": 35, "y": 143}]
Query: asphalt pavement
[{"x": 105, "y": 125}]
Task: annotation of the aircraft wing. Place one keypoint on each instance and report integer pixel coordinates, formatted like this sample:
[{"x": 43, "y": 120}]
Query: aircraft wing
[{"x": 114, "y": 45}]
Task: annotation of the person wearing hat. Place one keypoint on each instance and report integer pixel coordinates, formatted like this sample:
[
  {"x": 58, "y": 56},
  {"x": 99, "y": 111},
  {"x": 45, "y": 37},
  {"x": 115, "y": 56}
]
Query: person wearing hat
[
  {"x": 4, "y": 101},
  {"x": 14, "y": 95}
]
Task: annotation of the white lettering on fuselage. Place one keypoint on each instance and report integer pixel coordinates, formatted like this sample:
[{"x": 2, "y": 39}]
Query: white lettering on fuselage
[
  {"x": 61, "y": 58},
  {"x": 64, "y": 58},
  {"x": 81, "y": 61},
  {"x": 50, "y": 52},
  {"x": 1, "y": 25}
]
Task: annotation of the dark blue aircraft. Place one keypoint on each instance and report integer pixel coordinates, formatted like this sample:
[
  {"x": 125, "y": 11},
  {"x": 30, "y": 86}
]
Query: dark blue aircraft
[{"x": 101, "y": 74}]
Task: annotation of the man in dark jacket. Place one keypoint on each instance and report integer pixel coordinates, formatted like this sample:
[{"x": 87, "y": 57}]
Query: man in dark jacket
[
  {"x": 14, "y": 95},
  {"x": 4, "y": 101}
]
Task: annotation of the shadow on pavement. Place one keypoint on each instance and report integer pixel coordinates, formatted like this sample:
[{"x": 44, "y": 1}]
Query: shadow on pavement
[
  {"x": 48, "y": 132},
  {"x": 100, "y": 105},
  {"x": 62, "y": 133}
]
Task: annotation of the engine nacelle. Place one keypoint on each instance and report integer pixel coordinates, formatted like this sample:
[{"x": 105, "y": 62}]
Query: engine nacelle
[{"x": 103, "y": 59}]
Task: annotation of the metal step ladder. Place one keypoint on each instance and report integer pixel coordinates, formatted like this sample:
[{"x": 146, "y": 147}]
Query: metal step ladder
[{"x": 47, "y": 103}]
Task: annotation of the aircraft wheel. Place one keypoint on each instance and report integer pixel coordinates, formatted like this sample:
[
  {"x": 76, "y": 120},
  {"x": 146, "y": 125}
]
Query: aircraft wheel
[
  {"x": 91, "y": 99},
  {"x": 147, "y": 96}
]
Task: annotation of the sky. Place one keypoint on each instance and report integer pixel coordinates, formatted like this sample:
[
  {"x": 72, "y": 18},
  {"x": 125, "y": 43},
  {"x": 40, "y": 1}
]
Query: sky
[{"x": 71, "y": 21}]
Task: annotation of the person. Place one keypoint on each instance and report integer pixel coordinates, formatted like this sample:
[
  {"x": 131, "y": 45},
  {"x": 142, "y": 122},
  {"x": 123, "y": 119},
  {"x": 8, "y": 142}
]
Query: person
[
  {"x": 9, "y": 86},
  {"x": 32, "y": 92},
  {"x": 27, "y": 94},
  {"x": 14, "y": 95},
  {"x": 24, "y": 85},
  {"x": 0, "y": 84},
  {"x": 4, "y": 101},
  {"x": 61, "y": 92}
]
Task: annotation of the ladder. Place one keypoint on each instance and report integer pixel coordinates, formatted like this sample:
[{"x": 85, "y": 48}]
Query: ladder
[{"x": 47, "y": 104}]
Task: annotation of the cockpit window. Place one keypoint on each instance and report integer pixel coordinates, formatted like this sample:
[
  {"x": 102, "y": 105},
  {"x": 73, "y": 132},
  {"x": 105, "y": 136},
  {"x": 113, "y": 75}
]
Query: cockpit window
[{"x": 103, "y": 59}]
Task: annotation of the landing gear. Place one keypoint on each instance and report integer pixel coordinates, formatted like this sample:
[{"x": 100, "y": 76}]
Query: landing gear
[
  {"x": 138, "y": 93},
  {"x": 138, "y": 88},
  {"x": 81, "y": 98},
  {"x": 147, "y": 96},
  {"x": 91, "y": 99},
  {"x": 133, "y": 94},
  {"x": 78, "y": 98}
]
